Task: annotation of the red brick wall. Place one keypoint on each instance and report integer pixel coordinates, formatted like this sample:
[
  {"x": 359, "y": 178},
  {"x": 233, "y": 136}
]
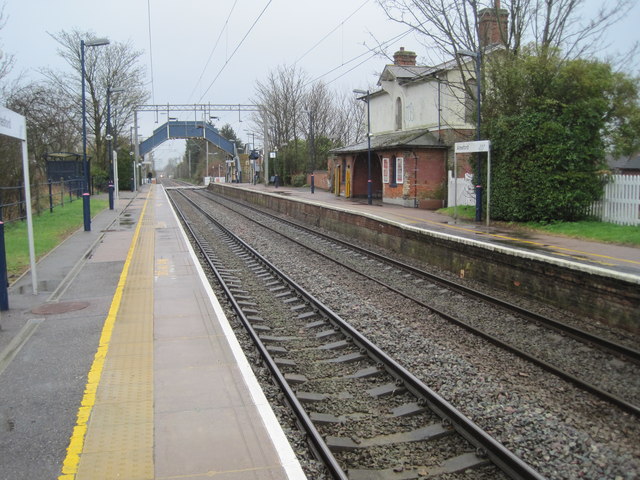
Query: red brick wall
[
  {"x": 424, "y": 175},
  {"x": 321, "y": 179}
]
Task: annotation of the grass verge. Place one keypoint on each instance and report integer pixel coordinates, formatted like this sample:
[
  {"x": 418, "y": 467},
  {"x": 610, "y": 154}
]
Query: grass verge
[
  {"x": 585, "y": 230},
  {"x": 49, "y": 230}
]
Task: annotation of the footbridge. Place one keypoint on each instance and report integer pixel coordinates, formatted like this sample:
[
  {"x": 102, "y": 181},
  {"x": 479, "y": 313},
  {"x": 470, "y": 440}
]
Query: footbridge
[{"x": 176, "y": 129}]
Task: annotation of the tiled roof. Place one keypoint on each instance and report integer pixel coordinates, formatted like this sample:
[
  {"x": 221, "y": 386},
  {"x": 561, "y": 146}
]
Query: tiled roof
[{"x": 414, "y": 138}]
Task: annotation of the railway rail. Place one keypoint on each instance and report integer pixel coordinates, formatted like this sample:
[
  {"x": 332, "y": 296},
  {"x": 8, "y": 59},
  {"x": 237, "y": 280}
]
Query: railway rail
[
  {"x": 359, "y": 408},
  {"x": 541, "y": 346}
]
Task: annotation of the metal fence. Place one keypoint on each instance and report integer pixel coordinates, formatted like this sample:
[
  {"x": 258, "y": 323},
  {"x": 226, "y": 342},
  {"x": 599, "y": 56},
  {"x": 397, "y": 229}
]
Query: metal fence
[{"x": 45, "y": 196}]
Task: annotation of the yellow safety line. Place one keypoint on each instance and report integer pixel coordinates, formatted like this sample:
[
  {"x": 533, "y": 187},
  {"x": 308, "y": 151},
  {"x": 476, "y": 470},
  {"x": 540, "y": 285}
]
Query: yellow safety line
[
  {"x": 76, "y": 442},
  {"x": 520, "y": 240}
]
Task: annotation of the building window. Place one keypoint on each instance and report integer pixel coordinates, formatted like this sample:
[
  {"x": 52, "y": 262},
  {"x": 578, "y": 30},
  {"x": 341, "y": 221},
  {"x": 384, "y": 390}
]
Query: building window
[
  {"x": 392, "y": 172},
  {"x": 399, "y": 170},
  {"x": 385, "y": 170},
  {"x": 470, "y": 101},
  {"x": 398, "y": 113}
]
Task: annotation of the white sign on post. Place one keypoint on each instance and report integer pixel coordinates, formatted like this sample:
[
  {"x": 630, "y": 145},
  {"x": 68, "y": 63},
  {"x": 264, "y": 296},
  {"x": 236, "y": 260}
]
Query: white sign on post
[
  {"x": 14, "y": 125},
  {"x": 472, "y": 147}
]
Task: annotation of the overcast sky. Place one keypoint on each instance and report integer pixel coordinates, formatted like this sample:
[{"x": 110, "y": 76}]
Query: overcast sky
[{"x": 198, "y": 51}]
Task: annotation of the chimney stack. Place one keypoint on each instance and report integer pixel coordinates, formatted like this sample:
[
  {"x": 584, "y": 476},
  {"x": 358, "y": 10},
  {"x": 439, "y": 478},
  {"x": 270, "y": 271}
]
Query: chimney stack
[
  {"x": 493, "y": 24},
  {"x": 404, "y": 58}
]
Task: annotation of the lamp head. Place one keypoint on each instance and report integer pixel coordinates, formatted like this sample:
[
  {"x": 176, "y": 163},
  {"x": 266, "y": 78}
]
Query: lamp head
[
  {"x": 467, "y": 53},
  {"x": 97, "y": 42}
]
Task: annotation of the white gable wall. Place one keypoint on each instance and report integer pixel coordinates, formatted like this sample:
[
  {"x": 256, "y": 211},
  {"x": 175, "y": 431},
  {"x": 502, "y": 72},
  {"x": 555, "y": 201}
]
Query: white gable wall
[{"x": 420, "y": 105}]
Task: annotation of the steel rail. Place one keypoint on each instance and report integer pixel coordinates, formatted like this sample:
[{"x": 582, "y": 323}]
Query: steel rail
[
  {"x": 503, "y": 458},
  {"x": 317, "y": 442},
  {"x": 588, "y": 387},
  {"x": 574, "y": 332}
]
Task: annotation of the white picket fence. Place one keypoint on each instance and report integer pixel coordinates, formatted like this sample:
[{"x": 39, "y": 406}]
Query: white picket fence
[
  {"x": 466, "y": 192},
  {"x": 620, "y": 203}
]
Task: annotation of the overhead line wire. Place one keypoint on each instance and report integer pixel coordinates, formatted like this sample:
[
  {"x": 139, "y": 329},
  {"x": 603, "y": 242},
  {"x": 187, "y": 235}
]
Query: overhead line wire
[
  {"x": 213, "y": 49},
  {"x": 236, "y": 49},
  {"x": 371, "y": 55},
  {"x": 327, "y": 35},
  {"x": 153, "y": 93}
]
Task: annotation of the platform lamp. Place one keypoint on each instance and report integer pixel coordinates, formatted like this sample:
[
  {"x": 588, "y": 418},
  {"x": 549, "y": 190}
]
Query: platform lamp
[
  {"x": 97, "y": 42},
  {"x": 477, "y": 58},
  {"x": 312, "y": 150},
  {"x": 113, "y": 170},
  {"x": 367, "y": 98}
]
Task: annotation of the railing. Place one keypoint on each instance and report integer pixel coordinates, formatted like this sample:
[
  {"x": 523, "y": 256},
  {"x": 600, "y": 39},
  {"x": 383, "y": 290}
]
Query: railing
[{"x": 43, "y": 196}]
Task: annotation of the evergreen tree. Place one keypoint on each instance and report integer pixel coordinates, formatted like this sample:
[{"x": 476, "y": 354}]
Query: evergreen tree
[{"x": 550, "y": 122}]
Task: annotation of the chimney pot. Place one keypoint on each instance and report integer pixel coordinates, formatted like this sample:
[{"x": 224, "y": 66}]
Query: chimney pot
[{"x": 404, "y": 57}]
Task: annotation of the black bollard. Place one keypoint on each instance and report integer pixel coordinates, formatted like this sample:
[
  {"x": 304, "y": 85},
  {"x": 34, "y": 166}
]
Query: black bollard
[
  {"x": 87, "y": 212},
  {"x": 110, "y": 196},
  {"x": 4, "y": 278}
]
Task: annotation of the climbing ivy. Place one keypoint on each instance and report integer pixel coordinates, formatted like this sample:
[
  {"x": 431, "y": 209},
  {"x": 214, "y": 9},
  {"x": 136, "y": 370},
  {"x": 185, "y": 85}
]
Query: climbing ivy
[{"x": 550, "y": 122}]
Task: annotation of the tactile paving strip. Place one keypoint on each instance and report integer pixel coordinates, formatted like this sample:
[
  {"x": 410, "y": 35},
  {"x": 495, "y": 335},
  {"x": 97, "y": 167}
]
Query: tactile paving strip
[{"x": 119, "y": 396}]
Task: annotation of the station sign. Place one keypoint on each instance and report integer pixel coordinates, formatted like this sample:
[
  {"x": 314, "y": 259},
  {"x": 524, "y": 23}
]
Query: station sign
[
  {"x": 12, "y": 124},
  {"x": 472, "y": 147}
]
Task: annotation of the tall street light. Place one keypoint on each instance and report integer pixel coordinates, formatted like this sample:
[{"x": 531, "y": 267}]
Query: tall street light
[
  {"x": 312, "y": 151},
  {"x": 112, "y": 169},
  {"x": 368, "y": 97},
  {"x": 476, "y": 57},
  {"x": 97, "y": 42}
]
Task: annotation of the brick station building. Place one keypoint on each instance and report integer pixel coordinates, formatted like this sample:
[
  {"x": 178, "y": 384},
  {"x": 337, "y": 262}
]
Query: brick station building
[{"x": 417, "y": 114}]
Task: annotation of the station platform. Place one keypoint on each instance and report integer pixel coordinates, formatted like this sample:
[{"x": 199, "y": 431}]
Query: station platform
[
  {"x": 605, "y": 259},
  {"x": 123, "y": 365}
]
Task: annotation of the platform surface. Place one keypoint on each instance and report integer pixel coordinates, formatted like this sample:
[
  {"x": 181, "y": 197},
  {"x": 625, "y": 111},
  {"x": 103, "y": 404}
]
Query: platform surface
[{"x": 130, "y": 369}]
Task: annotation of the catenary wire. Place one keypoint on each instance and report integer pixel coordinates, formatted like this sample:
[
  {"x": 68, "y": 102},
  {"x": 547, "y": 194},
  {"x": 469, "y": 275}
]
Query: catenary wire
[
  {"x": 236, "y": 49},
  {"x": 215, "y": 46},
  {"x": 369, "y": 55},
  {"x": 153, "y": 93},
  {"x": 328, "y": 34}
]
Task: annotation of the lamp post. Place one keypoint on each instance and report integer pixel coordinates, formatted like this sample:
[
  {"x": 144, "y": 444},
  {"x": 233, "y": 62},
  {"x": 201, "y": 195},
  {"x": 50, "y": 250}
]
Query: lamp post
[
  {"x": 311, "y": 141},
  {"x": 98, "y": 42},
  {"x": 477, "y": 58},
  {"x": 369, "y": 186},
  {"x": 112, "y": 170}
]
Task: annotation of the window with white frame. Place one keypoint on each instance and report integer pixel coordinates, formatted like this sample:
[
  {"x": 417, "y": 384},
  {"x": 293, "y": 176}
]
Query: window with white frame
[
  {"x": 399, "y": 170},
  {"x": 385, "y": 170}
]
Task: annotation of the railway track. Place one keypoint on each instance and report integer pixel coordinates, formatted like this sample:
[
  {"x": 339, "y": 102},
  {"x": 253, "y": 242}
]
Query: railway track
[
  {"x": 502, "y": 327},
  {"x": 365, "y": 415}
]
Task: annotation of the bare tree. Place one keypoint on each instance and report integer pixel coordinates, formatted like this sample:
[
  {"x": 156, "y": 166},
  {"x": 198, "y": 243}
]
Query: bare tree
[
  {"x": 281, "y": 96},
  {"x": 449, "y": 26},
  {"x": 6, "y": 60},
  {"x": 51, "y": 119},
  {"x": 108, "y": 67},
  {"x": 292, "y": 108}
]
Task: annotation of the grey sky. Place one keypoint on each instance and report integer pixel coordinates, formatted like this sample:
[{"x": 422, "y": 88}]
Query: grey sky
[{"x": 184, "y": 33}]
